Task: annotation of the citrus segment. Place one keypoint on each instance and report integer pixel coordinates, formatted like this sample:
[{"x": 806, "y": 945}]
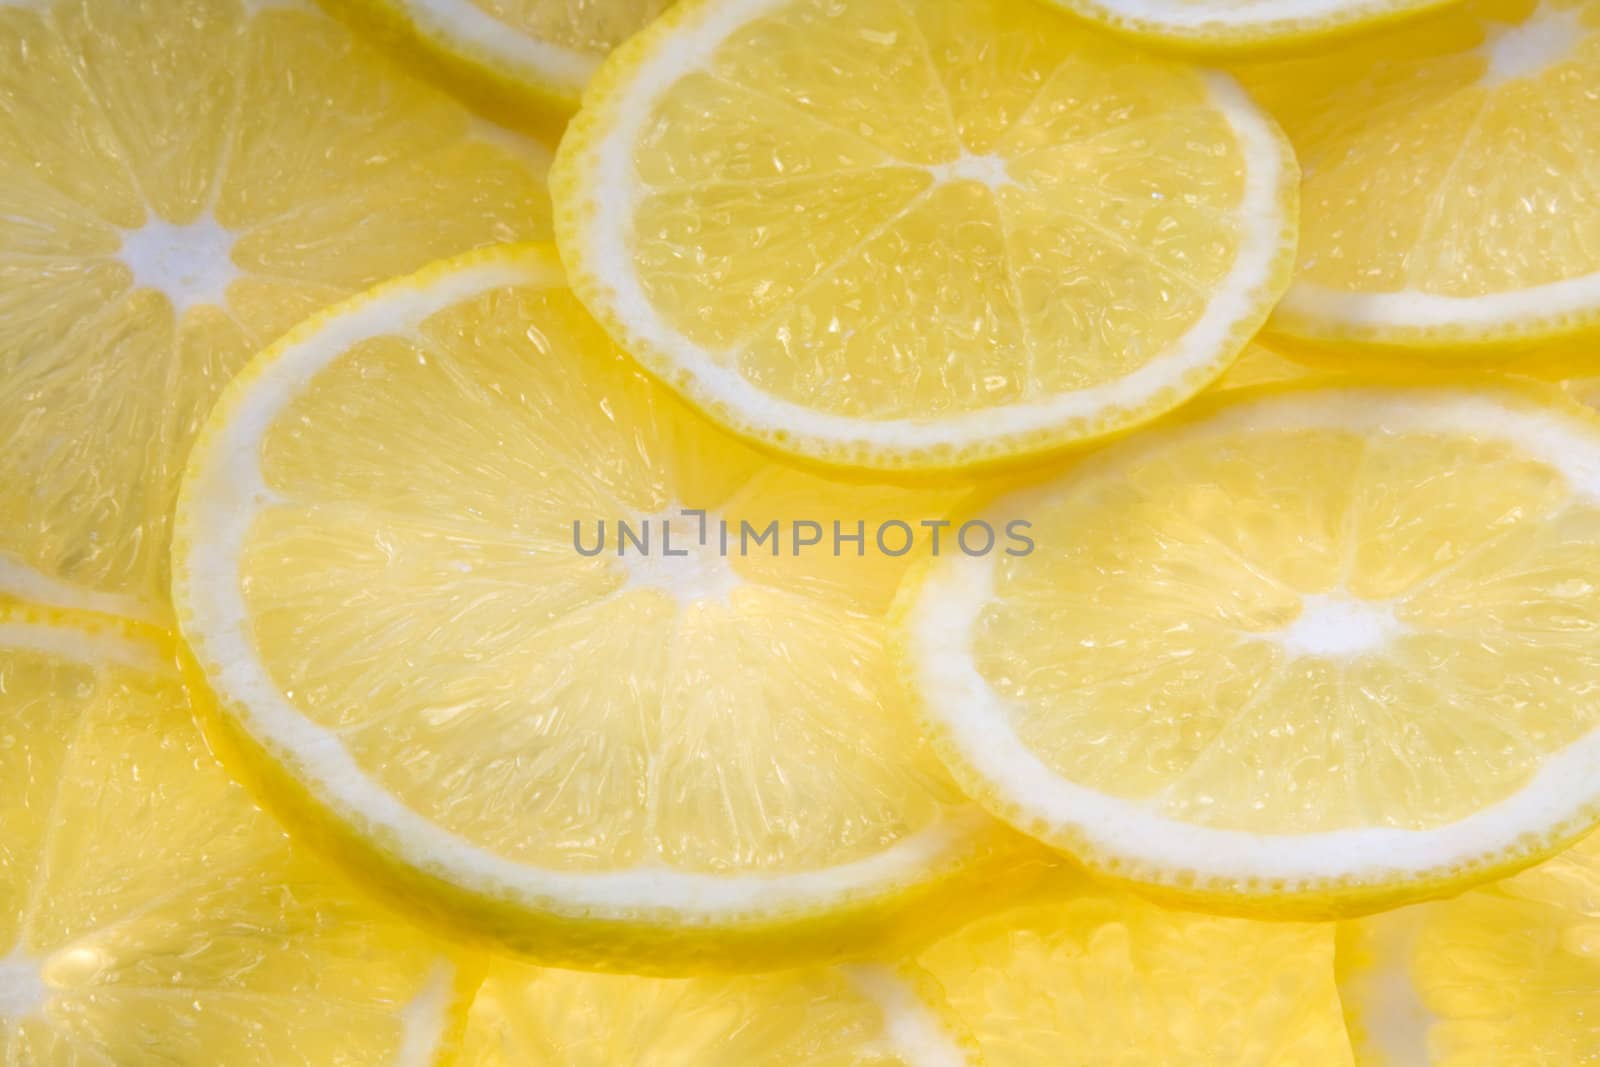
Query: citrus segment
[
  {"x": 1307, "y": 650},
  {"x": 183, "y": 182},
  {"x": 919, "y": 234}
]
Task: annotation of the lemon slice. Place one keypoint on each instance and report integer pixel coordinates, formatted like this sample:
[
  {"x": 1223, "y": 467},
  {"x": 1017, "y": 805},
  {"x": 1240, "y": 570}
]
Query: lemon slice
[
  {"x": 1303, "y": 652},
  {"x": 863, "y": 1014},
  {"x": 920, "y": 234},
  {"x": 1062, "y": 969},
  {"x": 181, "y": 182},
  {"x": 386, "y": 565},
  {"x": 1508, "y": 975},
  {"x": 149, "y": 912},
  {"x": 1242, "y": 26},
  {"x": 1449, "y": 198},
  {"x": 1086, "y": 975},
  {"x": 533, "y": 52}
]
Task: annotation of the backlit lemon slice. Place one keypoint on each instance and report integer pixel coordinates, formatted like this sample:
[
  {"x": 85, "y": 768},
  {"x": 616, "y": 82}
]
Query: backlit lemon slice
[
  {"x": 680, "y": 743},
  {"x": 149, "y": 912},
  {"x": 1450, "y": 203},
  {"x": 920, "y": 234},
  {"x": 1067, "y": 974},
  {"x": 539, "y": 53},
  {"x": 180, "y": 182},
  {"x": 1303, "y": 652},
  {"x": 1508, "y": 975}
]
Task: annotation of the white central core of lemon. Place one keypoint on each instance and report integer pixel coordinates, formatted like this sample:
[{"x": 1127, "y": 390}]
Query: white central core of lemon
[
  {"x": 987, "y": 169},
  {"x": 700, "y": 575},
  {"x": 1545, "y": 38},
  {"x": 22, "y": 989},
  {"x": 1333, "y": 625},
  {"x": 192, "y": 264}
]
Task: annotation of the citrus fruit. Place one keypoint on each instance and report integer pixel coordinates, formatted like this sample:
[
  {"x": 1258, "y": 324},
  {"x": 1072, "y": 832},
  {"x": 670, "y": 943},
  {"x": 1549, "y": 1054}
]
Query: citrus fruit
[
  {"x": 149, "y": 912},
  {"x": 1244, "y": 26},
  {"x": 1089, "y": 975},
  {"x": 1062, "y": 972},
  {"x": 683, "y": 743},
  {"x": 1449, "y": 201},
  {"x": 1507, "y": 975},
  {"x": 539, "y": 53},
  {"x": 182, "y": 182},
  {"x": 1298, "y": 652},
  {"x": 920, "y": 235},
  {"x": 863, "y": 1015}
]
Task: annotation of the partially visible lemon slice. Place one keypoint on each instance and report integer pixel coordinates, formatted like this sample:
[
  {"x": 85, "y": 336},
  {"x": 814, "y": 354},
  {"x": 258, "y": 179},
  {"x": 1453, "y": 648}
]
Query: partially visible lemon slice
[
  {"x": 1086, "y": 975},
  {"x": 1450, "y": 201},
  {"x": 1243, "y": 26},
  {"x": 539, "y": 53},
  {"x": 865, "y": 1015},
  {"x": 1301, "y": 652},
  {"x": 921, "y": 234},
  {"x": 1508, "y": 975},
  {"x": 180, "y": 182},
  {"x": 389, "y": 565},
  {"x": 149, "y": 912},
  {"x": 1061, "y": 972}
]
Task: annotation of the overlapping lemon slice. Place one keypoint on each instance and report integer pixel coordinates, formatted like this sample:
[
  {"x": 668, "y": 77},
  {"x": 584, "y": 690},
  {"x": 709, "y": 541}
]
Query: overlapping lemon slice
[
  {"x": 1068, "y": 973},
  {"x": 1242, "y": 26},
  {"x": 390, "y": 566},
  {"x": 1307, "y": 651},
  {"x": 1450, "y": 200},
  {"x": 1508, "y": 975},
  {"x": 920, "y": 234},
  {"x": 539, "y": 53},
  {"x": 149, "y": 912},
  {"x": 180, "y": 182},
  {"x": 865, "y": 1015}
]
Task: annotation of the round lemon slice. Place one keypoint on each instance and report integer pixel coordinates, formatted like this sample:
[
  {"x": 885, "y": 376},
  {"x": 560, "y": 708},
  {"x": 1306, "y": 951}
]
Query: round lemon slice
[
  {"x": 1307, "y": 652},
  {"x": 532, "y": 52},
  {"x": 149, "y": 912},
  {"x": 1505, "y": 975},
  {"x": 1061, "y": 972},
  {"x": 920, "y": 234},
  {"x": 543, "y": 649},
  {"x": 1243, "y": 26},
  {"x": 180, "y": 182},
  {"x": 1450, "y": 204}
]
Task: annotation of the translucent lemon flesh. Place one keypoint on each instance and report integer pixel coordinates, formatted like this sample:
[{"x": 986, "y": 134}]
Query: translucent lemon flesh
[
  {"x": 180, "y": 183},
  {"x": 591, "y": 27},
  {"x": 149, "y": 913},
  {"x": 918, "y": 233},
  {"x": 1505, "y": 975},
  {"x": 859, "y": 1016},
  {"x": 1448, "y": 186},
  {"x": 379, "y": 570},
  {"x": 1063, "y": 971},
  {"x": 1303, "y": 642},
  {"x": 1100, "y": 977}
]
